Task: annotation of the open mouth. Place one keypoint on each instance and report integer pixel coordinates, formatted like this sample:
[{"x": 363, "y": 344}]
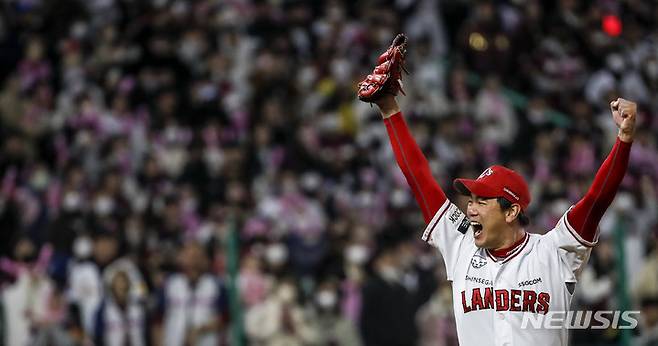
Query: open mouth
[{"x": 477, "y": 228}]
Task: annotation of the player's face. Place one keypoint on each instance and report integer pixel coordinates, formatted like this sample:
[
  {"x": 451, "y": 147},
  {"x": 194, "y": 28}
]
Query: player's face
[{"x": 487, "y": 221}]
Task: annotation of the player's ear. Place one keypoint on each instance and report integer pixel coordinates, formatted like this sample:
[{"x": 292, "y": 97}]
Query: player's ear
[{"x": 512, "y": 213}]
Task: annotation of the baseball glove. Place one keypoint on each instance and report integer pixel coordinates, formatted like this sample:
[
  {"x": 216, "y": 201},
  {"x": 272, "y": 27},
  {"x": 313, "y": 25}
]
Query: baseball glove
[{"x": 387, "y": 76}]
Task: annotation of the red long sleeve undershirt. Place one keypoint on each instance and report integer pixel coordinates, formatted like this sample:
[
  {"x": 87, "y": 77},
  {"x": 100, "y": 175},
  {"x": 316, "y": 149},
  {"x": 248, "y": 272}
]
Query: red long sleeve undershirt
[
  {"x": 584, "y": 217},
  {"x": 414, "y": 165}
]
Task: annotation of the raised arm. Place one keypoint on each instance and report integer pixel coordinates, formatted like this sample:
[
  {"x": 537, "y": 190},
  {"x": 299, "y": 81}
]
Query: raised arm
[
  {"x": 584, "y": 217},
  {"x": 411, "y": 160}
]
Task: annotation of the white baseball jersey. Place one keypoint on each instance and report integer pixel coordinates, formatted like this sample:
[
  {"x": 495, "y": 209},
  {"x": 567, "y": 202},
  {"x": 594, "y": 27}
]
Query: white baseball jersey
[
  {"x": 190, "y": 306},
  {"x": 491, "y": 295}
]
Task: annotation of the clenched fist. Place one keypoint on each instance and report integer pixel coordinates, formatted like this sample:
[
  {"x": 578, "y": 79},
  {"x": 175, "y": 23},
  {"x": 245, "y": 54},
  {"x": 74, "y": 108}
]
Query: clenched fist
[{"x": 624, "y": 113}]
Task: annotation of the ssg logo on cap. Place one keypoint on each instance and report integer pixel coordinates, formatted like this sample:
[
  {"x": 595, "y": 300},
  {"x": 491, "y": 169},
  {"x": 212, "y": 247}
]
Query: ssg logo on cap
[{"x": 487, "y": 172}]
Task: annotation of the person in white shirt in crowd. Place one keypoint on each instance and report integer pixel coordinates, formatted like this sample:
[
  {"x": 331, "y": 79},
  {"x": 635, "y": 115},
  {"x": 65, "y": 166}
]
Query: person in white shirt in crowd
[
  {"x": 25, "y": 300},
  {"x": 85, "y": 276},
  {"x": 193, "y": 303},
  {"x": 280, "y": 320},
  {"x": 120, "y": 318}
]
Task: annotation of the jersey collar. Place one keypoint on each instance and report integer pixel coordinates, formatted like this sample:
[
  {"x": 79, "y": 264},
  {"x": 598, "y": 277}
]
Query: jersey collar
[{"x": 507, "y": 254}]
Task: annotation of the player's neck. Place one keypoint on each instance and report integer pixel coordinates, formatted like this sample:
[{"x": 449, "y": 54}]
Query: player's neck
[{"x": 515, "y": 239}]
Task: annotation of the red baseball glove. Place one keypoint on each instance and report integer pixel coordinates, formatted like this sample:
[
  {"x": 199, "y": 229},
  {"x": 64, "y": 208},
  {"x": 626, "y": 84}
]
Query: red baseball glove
[{"x": 387, "y": 76}]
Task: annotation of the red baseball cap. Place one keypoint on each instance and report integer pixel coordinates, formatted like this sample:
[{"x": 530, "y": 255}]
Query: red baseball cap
[{"x": 496, "y": 181}]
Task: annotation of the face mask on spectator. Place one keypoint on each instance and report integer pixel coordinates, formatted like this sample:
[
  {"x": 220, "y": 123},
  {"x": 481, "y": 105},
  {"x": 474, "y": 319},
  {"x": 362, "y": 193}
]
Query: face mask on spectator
[
  {"x": 390, "y": 273},
  {"x": 214, "y": 159},
  {"x": 39, "y": 180},
  {"x": 559, "y": 206},
  {"x": 384, "y": 35},
  {"x": 134, "y": 234},
  {"x": 651, "y": 68},
  {"x": 276, "y": 254},
  {"x": 82, "y": 247},
  {"x": 103, "y": 206},
  {"x": 190, "y": 49},
  {"x": 306, "y": 76},
  {"x": 615, "y": 63},
  {"x": 286, "y": 294},
  {"x": 536, "y": 116},
  {"x": 399, "y": 198},
  {"x": 311, "y": 181},
  {"x": 72, "y": 201},
  {"x": 189, "y": 204},
  {"x": 289, "y": 187},
  {"x": 326, "y": 299},
  {"x": 625, "y": 202},
  {"x": 356, "y": 254}
]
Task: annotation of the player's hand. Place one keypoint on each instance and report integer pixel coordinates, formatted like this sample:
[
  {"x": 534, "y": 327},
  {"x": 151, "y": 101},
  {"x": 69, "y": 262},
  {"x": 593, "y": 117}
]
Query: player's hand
[
  {"x": 624, "y": 113},
  {"x": 387, "y": 105}
]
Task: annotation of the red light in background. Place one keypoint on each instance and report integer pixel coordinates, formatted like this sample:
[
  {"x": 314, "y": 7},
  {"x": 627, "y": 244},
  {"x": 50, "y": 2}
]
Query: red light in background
[{"x": 611, "y": 25}]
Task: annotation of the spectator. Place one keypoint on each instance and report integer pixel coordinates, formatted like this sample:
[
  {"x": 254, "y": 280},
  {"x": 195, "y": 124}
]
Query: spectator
[
  {"x": 120, "y": 318},
  {"x": 649, "y": 323},
  {"x": 333, "y": 328},
  {"x": 434, "y": 320},
  {"x": 280, "y": 319},
  {"x": 193, "y": 302},
  {"x": 26, "y": 300},
  {"x": 57, "y": 325},
  {"x": 85, "y": 276},
  {"x": 391, "y": 297},
  {"x": 646, "y": 285}
]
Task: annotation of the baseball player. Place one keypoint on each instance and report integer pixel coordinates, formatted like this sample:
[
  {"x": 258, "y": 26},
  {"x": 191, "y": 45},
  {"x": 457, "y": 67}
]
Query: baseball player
[{"x": 500, "y": 272}]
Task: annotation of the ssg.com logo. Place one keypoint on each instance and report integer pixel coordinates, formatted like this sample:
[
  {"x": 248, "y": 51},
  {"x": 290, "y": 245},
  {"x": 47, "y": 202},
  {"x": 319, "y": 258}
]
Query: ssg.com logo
[{"x": 581, "y": 320}]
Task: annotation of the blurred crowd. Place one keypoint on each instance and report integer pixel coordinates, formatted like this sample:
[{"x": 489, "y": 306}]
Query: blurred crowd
[{"x": 139, "y": 139}]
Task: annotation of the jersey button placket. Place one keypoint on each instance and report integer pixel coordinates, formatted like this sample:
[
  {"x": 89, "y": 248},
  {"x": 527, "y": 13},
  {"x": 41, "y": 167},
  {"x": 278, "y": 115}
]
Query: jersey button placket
[{"x": 503, "y": 329}]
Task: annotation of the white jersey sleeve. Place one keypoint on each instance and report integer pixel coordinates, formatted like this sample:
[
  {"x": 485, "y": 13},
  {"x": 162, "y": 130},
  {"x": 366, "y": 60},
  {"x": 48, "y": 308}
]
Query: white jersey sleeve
[
  {"x": 573, "y": 250},
  {"x": 447, "y": 232}
]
